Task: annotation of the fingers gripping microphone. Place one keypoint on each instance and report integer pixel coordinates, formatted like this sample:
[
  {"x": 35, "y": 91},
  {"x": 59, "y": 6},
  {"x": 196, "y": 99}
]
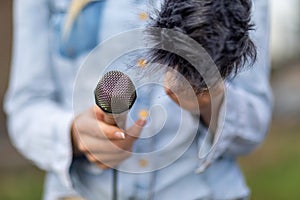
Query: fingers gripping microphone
[{"x": 115, "y": 94}]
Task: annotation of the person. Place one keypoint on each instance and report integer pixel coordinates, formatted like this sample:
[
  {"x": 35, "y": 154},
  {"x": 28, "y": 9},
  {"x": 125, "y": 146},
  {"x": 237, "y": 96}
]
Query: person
[{"x": 41, "y": 124}]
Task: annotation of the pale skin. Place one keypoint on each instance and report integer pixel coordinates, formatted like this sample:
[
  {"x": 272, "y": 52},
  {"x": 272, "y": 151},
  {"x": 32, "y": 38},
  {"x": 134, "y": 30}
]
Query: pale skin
[
  {"x": 205, "y": 100},
  {"x": 108, "y": 145},
  {"x": 103, "y": 144}
]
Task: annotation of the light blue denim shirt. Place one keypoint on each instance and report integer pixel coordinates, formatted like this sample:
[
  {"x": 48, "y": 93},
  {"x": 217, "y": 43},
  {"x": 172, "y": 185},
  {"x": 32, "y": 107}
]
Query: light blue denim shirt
[{"x": 39, "y": 108}]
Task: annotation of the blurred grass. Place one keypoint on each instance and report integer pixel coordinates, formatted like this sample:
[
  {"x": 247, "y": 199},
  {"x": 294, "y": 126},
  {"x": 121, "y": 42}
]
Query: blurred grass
[
  {"x": 21, "y": 184},
  {"x": 272, "y": 171}
]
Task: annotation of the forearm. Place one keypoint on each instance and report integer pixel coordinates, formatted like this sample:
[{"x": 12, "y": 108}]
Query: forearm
[
  {"x": 40, "y": 131},
  {"x": 246, "y": 129}
]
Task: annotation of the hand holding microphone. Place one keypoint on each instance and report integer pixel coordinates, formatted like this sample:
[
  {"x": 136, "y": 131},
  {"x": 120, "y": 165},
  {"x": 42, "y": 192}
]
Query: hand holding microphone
[{"x": 94, "y": 132}]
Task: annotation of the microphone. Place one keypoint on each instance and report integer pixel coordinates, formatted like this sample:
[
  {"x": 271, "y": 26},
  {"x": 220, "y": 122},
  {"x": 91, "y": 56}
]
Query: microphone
[{"x": 115, "y": 94}]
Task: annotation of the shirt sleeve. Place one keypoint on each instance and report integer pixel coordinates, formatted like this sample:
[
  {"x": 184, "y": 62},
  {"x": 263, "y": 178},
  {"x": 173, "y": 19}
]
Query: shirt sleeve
[
  {"x": 38, "y": 122},
  {"x": 247, "y": 108}
]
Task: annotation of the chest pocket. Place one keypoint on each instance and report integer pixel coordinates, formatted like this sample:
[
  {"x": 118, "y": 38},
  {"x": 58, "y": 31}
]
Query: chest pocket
[{"x": 83, "y": 34}]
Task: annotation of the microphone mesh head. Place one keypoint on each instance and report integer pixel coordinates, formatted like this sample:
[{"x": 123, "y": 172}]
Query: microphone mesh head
[{"x": 115, "y": 92}]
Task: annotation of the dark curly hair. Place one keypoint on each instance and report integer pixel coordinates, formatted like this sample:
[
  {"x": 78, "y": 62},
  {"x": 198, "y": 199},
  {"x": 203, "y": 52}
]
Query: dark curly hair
[{"x": 221, "y": 27}]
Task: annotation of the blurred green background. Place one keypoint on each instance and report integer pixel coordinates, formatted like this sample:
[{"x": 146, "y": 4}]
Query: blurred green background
[{"x": 272, "y": 171}]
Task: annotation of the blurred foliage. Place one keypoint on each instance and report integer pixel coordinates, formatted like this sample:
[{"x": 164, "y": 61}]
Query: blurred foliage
[
  {"x": 21, "y": 184},
  {"x": 272, "y": 171}
]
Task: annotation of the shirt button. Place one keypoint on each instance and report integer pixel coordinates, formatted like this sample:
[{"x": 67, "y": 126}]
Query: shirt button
[
  {"x": 143, "y": 163},
  {"x": 143, "y": 114},
  {"x": 141, "y": 63},
  {"x": 143, "y": 16}
]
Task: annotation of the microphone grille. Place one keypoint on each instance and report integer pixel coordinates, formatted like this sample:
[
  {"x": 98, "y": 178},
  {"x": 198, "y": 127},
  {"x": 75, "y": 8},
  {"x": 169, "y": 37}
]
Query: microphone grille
[{"x": 115, "y": 92}]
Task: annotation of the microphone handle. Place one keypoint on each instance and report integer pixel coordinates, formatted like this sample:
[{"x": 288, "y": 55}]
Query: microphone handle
[
  {"x": 116, "y": 119},
  {"x": 120, "y": 121},
  {"x": 109, "y": 119},
  {"x": 114, "y": 186}
]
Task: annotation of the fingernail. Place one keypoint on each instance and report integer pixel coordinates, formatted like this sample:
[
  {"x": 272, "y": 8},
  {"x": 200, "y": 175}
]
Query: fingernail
[
  {"x": 120, "y": 135},
  {"x": 141, "y": 122}
]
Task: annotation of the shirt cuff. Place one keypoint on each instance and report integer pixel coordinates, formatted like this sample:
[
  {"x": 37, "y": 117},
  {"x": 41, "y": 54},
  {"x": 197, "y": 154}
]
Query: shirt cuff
[
  {"x": 64, "y": 149},
  {"x": 230, "y": 122}
]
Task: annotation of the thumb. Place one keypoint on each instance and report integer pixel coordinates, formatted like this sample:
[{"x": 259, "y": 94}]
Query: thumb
[{"x": 135, "y": 130}]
